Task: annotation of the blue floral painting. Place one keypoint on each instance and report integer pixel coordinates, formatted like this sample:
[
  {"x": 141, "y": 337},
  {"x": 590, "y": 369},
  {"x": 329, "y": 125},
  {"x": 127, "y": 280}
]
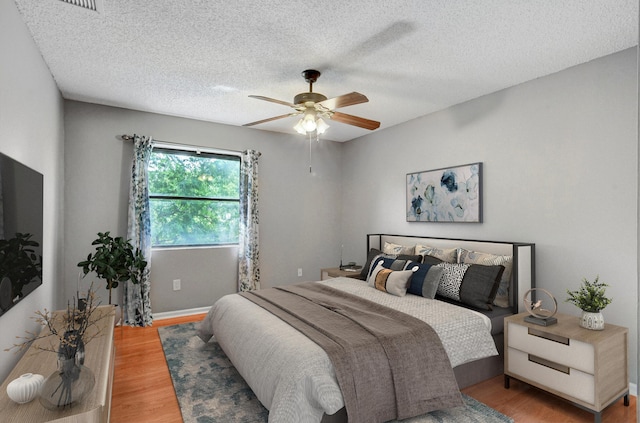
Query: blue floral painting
[{"x": 450, "y": 194}]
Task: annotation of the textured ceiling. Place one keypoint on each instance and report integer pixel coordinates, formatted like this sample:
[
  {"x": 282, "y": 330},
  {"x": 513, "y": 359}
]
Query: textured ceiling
[{"x": 201, "y": 59}]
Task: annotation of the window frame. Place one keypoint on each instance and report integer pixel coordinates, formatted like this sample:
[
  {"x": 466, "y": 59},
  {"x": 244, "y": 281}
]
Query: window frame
[{"x": 197, "y": 151}]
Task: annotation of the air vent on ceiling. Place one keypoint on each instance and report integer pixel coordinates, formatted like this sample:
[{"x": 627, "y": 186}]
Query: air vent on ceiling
[{"x": 95, "y": 5}]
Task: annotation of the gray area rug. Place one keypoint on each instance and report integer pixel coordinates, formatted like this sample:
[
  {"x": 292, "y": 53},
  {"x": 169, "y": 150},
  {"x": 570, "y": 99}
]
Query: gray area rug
[{"x": 209, "y": 389}]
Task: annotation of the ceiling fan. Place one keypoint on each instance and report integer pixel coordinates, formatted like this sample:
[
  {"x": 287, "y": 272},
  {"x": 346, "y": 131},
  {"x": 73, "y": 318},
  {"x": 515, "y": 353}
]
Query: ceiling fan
[{"x": 315, "y": 106}]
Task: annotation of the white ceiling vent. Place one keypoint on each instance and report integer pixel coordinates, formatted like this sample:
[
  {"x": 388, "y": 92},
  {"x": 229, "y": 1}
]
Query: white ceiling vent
[{"x": 95, "y": 5}]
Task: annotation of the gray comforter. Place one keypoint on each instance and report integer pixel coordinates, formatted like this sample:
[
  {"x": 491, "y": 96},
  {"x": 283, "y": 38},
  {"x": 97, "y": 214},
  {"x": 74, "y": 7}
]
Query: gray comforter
[
  {"x": 388, "y": 364},
  {"x": 294, "y": 378}
]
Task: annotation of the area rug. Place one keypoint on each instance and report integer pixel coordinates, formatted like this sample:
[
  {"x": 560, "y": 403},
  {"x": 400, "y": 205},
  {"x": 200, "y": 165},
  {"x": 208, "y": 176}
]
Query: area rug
[{"x": 210, "y": 390}]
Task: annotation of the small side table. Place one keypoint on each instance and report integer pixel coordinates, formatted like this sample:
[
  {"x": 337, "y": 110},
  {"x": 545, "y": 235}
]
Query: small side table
[
  {"x": 336, "y": 272},
  {"x": 585, "y": 367}
]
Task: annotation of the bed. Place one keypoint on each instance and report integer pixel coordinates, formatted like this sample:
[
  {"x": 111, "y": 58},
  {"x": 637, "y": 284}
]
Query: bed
[{"x": 294, "y": 377}]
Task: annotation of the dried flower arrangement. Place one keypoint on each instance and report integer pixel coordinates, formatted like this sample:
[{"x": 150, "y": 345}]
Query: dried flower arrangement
[{"x": 69, "y": 328}]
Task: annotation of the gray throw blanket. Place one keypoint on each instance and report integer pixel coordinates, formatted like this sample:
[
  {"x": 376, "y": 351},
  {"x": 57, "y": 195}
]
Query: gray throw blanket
[{"x": 388, "y": 364}]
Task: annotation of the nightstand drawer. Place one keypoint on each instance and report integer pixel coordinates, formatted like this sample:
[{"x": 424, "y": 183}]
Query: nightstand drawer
[
  {"x": 568, "y": 352},
  {"x": 569, "y": 381}
]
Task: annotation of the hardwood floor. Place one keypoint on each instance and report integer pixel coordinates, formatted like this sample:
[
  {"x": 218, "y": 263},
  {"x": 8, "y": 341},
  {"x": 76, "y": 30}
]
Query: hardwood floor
[
  {"x": 143, "y": 391},
  {"x": 142, "y": 387},
  {"x": 525, "y": 404}
]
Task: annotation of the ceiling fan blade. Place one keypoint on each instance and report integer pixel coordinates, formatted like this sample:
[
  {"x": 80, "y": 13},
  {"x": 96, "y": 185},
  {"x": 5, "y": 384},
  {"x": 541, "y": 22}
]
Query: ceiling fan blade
[
  {"x": 355, "y": 120},
  {"x": 273, "y": 100},
  {"x": 270, "y": 119},
  {"x": 344, "y": 101}
]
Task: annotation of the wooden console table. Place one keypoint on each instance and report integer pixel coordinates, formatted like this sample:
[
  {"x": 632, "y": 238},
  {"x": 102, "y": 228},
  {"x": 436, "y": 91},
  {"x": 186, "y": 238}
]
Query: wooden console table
[{"x": 95, "y": 407}]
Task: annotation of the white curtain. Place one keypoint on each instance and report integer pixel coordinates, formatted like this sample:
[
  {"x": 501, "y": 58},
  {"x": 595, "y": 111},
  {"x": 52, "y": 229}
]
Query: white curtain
[
  {"x": 137, "y": 302},
  {"x": 248, "y": 251}
]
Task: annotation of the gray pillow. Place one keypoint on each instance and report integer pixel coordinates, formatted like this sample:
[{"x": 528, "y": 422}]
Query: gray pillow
[
  {"x": 367, "y": 266},
  {"x": 480, "y": 285},
  {"x": 471, "y": 284},
  {"x": 425, "y": 279}
]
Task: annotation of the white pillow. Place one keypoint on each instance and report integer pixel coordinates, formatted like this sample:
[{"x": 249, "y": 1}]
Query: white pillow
[
  {"x": 391, "y": 248},
  {"x": 394, "y": 282},
  {"x": 450, "y": 255}
]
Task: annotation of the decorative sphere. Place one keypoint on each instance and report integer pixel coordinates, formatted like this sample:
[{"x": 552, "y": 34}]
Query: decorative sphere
[
  {"x": 25, "y": 388},
  {"x": 543, "y": 306}
]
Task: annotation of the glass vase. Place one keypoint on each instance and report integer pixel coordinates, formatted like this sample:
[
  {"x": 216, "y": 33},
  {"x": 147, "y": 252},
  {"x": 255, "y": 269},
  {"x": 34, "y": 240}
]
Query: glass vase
[{"x": 71, "y": 381}]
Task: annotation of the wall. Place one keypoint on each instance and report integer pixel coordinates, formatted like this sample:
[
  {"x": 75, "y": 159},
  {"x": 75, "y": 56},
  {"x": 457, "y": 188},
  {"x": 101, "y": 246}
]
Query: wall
[
  {"x": 31, "y": 131},
  {"x": 299, "y": 210},
  {"x": 560, "y": 170}
]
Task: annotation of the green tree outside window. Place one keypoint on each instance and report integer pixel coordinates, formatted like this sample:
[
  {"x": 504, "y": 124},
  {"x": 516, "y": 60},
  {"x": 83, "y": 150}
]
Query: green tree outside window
[{"x": 194, "y": 198}]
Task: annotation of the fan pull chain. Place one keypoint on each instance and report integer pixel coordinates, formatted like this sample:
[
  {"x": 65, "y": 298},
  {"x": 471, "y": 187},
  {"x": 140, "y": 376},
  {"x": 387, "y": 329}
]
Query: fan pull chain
[
  {"x": 310, "y": 141},
  {"x": 309, "y": 152}
]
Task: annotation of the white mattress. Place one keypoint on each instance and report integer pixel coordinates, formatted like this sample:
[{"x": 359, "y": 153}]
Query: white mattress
[{"x": 294, "y": 378}]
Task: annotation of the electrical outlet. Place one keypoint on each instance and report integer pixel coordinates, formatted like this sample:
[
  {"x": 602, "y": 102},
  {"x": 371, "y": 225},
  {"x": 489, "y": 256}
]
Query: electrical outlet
[
  {"x": 176, "y": 284},
  {"x": 300, "y": 271}
]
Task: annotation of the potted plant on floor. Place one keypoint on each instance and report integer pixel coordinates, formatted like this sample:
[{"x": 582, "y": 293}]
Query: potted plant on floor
[
  {"x": 591, "y": 299},
  {"x": 114, "y": 260}
]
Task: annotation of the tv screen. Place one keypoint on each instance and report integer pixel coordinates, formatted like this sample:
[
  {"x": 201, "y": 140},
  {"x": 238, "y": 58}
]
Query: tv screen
[{"x": 21, "y": 190}]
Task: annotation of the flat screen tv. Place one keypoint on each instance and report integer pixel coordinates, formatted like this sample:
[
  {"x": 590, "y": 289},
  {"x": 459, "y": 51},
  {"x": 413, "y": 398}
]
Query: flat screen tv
[{"x": 21, "y": 190}]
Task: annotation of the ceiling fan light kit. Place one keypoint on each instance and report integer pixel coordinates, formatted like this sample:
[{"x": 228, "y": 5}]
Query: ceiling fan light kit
[{"x": 315, "y": 106}]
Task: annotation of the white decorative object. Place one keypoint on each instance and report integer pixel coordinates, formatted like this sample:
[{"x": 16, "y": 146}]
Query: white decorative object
[
  {"x": 593, "y": 321},
  {"x": 25, "y": 388}
]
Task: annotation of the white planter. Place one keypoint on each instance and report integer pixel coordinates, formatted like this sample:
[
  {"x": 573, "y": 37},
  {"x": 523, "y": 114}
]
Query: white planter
[
  {"x": 25, "y": 388},
  {"x": 593, "y": 321}
]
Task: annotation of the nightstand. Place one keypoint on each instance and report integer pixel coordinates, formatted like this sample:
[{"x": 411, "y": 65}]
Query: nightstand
[
  {"x": 587, "y": 367},
  {"x": 336, "y": 272}
]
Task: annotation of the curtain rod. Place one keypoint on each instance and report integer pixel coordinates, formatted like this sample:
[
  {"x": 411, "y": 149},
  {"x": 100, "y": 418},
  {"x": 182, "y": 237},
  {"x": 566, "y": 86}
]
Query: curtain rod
[{"x": 126, "y": 137}]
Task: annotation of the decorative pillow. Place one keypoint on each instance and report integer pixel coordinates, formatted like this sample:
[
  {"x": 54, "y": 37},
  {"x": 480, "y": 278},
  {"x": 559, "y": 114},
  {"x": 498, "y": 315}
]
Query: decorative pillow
[
  {"x": 364, "y": 273},
  {"x": 394, "y": 282},
  {"x": 425, "y": 279},
  {"x": 374, "y": 253},
  {"x": 450, "y": 255},
  {"x": 451, "y": 280},
  {"x": 430, "y": 260},
  {"x": 388, "y": 262},
  {"x": 486, "y": 259},
  {"x": 391, "y": 248},
  {"x": 471, "y": 284},
  {"x": 410, "y": 257}
]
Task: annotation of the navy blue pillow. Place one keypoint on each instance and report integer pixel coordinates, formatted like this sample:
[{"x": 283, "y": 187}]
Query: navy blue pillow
[
  {"x": 424, "y": 281},
  {"x": 387, "y": 263}
]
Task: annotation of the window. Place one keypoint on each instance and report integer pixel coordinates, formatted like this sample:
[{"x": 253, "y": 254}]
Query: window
[{"x": 194, "y": 198}]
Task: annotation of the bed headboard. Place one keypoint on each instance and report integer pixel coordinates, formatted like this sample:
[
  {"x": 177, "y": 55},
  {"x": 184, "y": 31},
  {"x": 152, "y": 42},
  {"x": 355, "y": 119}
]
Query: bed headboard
[{"x": 523, "y": 273}]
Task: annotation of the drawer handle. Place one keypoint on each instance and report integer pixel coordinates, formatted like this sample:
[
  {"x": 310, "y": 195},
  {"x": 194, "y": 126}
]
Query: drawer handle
[
  {"x": 550, "y": 364},
  {"x": 549, "y": 336}
]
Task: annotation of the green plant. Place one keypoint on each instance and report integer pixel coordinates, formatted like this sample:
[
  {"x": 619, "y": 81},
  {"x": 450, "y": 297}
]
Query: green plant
[
  {"x": 115, "y": 261},
  {"x": 590, "y": 297},
  {"x": 19, "y": 261}
]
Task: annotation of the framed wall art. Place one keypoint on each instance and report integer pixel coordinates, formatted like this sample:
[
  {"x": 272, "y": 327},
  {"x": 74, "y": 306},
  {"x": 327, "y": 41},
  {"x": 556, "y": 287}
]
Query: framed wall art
[{"x": 450, "y": 194}]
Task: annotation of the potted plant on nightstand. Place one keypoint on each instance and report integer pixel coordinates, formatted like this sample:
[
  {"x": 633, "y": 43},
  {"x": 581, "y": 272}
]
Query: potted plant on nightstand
[
  {"x": 114, "y": 260},
  {"x": 591, "y": 299}
]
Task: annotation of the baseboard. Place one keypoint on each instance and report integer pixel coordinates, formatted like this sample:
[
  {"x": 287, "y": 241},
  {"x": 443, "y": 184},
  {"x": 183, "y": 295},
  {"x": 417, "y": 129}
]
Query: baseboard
[
  {"x": 180, "y": 313},
  {"x": 633, "y": 389}
]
